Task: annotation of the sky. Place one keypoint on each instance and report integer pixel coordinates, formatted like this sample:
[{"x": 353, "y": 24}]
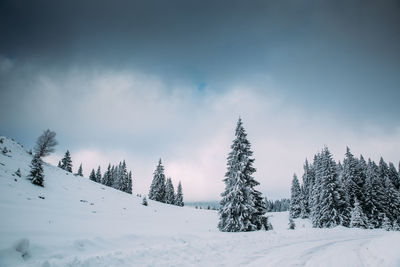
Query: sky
[{"x": 143, "y": 80}]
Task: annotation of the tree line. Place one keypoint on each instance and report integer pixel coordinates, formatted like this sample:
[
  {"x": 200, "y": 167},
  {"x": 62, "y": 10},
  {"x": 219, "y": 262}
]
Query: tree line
[
  {"x": 162, "y": 189},
  {"x": 357, "y": 193}
]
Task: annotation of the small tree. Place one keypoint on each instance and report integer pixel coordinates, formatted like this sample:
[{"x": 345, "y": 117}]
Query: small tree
[
  {"x": 179, "y": 196},
  {"x": 98, "y": 175},
  {"x": 66, "y": 162},
  {"x": 45, "y": 144},
  {"x": 386, "y": 223},
  {"x": 36, "y": 174},
  {"x": 292, "y": 225},
  {"x": 358, "y": 219},
  {"x": 18, "y": 173},
  {"x": 5, "y": 150},
  {"x": 295, "y": 200},
  {"x": 169, "y": 192},
  {"x": 144, "y": 201},
  {"x": 80, "y": 171},
  {"x": 92, "y": 176}
]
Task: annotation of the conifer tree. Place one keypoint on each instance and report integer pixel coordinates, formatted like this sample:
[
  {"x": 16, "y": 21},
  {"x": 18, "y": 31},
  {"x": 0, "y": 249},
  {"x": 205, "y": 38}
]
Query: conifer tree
[
  {"x": 92, "y": 176},
  {"x": 392, "y": 203},
  {"x": 238, "y": 211},
  {"x": 157, "y": 188},
  {"x": 351, "y": 178},
  {"x": 394, "y": 176},
  {"x": 144, "y": 201},
  {"x": 296, "y": 198},
  {"x": 98, "y": 175},
  {"x": 334, "y": 209},
  {"x": 292, "y": 225},
  {"x": 358, "y": 219},
  {"x": 169, "y": 192},
  {"x": 179, "y": 196},
  {"x": 66, "y": 162},
  {"x": 386, "y": 223},
  {"x": 373, "y": 195},
  {"x": 107, "y": 178},
  {"x": 59, "y": 164},
  {"x": 80, "y": 171},
  {"x": 129, "y": 183},
  {"x": 18, "y": 172},
  {"x": 36, "y": 174}
]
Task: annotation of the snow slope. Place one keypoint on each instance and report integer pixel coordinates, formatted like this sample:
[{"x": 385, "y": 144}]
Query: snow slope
[{"x": 73, "y": 221}]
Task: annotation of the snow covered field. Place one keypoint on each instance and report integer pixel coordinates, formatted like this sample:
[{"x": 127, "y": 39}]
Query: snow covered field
[{"x": 73, "y": 221}]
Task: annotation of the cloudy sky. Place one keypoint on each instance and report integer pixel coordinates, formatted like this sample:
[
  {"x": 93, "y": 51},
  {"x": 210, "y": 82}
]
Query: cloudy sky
[{"x": 140, "y": 80}]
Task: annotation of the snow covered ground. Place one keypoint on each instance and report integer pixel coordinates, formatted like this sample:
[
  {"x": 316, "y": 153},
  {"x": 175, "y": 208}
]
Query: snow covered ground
[{"x": 73, "y": 221}]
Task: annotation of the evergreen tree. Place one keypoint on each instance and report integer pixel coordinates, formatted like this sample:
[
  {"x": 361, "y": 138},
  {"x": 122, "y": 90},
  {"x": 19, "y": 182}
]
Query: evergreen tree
[
  {"x": 373, "y": 195},
  {"x": 358, "y": 219},
  {"x": 334, "y": 209},
  {"x": 296, "y": 198},
  {"x": 351, "y": 178},
  {"x": 157, "y": 188},
  {"x": 292, "y": 225},
  {"x": 169, "y": 192},
  {"x": 394, "y": 176},
  {"x": 92, "y": 176},
  {"x": 238, "y": 210},
  {"x": 392, "y": 197},
  {"x": 18, "y": 172},
  {"x": 316, "y": 201},
  {"x": 59, "y": 165},
  {"x": 36, "y": 174},
  {"x": 308, "y": 182},
  {"x": 386, "y": 223},
  {"x": 129, "y": 183},
  {"x": 66, "y": 162},
  {"x": 98, "y": 175},
  {"x": 107, "y": 178},
  {"x": 179, "y": 196},
  {"x": 80, "y": 171},
  {"x": 144, "y": 201}
]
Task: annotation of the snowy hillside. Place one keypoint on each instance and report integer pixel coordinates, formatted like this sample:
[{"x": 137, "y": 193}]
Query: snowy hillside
[{"x": 73, "y": 221}]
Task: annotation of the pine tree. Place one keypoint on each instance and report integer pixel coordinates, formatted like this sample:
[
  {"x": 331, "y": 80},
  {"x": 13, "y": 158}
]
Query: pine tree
[
  {"x": 358, "y": 219},
  {"x": 179, "y": 196},
  {"x": 66, "y": 162},
  {"x": 92, "y": 176},
  {"x": 18, "y": 172},
  {"x": 169, "y": 192},
  {"x": 157, "y": 188},
  {"x": 392, "y": 197},
  {"x": 36, "y": 174},
  {"x": 386, "y": 223},
  {"x": 80, "y": 171},
  {"x": 334, "y": 209},
  {"x": 308, "y": 182},
  {"x": 351, "y": 178},
  {"x": 98, "y": 175},
  {"x": 107, "y": 177},
  {"x": 129, "y": 183},
  {"x": 144, "y": 201},
  {"x": 292, "y": 225},
  {"x": 394, "y": 176},
  {"x": 237, "y": 208},
  {"x": 59, "y": 165},
  {"x": 295, "y": 200},
  {"x": 373, "y": 195}
]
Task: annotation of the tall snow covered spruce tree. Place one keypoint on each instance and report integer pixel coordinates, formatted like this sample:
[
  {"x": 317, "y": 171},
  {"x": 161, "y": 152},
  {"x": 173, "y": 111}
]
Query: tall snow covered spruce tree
[
  {"x": 242, "y": 207},
  {"x": 169, "y": 192},
  {"x": 295, "y": 199},
  {"x": 179, "y": 196},
  {"x": 66, "y": 162},
  {"x": 157, "y": 188},
  {"x": 36, "y": 174}
]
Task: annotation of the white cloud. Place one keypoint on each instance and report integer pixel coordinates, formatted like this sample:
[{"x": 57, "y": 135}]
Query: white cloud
[{"x": 109, "y": 116}]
